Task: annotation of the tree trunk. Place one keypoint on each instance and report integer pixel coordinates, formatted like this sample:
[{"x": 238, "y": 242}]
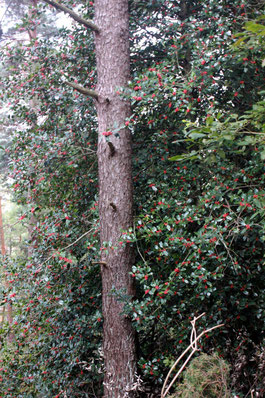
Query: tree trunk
[
  {"x": 9, "y": 314},
  {"x": 33, "y": 102},
  {"x": 115, "y": 193}
]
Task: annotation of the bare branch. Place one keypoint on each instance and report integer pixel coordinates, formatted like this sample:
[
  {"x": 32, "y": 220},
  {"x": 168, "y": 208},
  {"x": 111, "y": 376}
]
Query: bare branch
[
  {"x": 193, "y": 346},
  {"x": 87, "y": 22},
  {"x": 99, "y": 262},
  {"x": 64, "y": 248},
  {"x": 83, "y": 90}
]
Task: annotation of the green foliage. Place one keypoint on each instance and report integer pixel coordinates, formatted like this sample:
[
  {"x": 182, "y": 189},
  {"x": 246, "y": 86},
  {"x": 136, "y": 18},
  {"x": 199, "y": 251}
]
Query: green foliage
[
  {"x": 196, "y": 251},
  {"x": 222, "y": 135},
  {"x": 199, "y": 228},
  {"x": 252, "y": 36},
  {"x": 207, "y": 376}
]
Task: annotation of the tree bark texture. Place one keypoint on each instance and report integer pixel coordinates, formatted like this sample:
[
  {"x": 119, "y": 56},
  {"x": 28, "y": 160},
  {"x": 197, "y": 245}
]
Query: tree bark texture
[{"x": 115, "y": 193}]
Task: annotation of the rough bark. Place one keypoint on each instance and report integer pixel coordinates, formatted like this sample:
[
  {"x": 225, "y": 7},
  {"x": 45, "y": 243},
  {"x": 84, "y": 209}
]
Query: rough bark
[{"x": 115, "y": 192}]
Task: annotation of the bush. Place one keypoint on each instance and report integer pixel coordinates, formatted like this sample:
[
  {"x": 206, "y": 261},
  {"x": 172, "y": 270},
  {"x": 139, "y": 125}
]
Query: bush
[{"x": 207, "y": 377}]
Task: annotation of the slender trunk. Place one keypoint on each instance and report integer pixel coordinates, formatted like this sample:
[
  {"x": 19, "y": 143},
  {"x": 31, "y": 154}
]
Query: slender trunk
[
  {"x": 2, "y": 238},
  {"x": 3, "y": 252},
  {"x": 185, "y": 12},
  {"x": 33, "y": 32},
  {"x": 115, "y": 193},
  {"x": 33, "y": 102}
]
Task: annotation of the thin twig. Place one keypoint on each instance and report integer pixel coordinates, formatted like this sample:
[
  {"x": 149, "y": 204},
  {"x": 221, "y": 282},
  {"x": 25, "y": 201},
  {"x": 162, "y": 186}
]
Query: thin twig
[
  {"x": 66, "y": 247},
  {"x": 193, "y": 346},
  {"x": 137, "y": 246},
  {"x": 10, "y": 225}
]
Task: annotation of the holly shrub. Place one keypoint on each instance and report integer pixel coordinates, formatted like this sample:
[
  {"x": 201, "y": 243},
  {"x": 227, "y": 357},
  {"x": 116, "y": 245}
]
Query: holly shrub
[{"x": 197, "y": 126}]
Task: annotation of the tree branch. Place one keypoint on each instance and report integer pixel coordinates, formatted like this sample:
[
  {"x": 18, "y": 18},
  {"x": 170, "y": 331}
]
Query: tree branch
[
  {"x": 64, "y": 248},
  {"x": 87, "y": 22},
  {"x": 193, "y": 346},
  {"x": 83, "y": 90}
]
